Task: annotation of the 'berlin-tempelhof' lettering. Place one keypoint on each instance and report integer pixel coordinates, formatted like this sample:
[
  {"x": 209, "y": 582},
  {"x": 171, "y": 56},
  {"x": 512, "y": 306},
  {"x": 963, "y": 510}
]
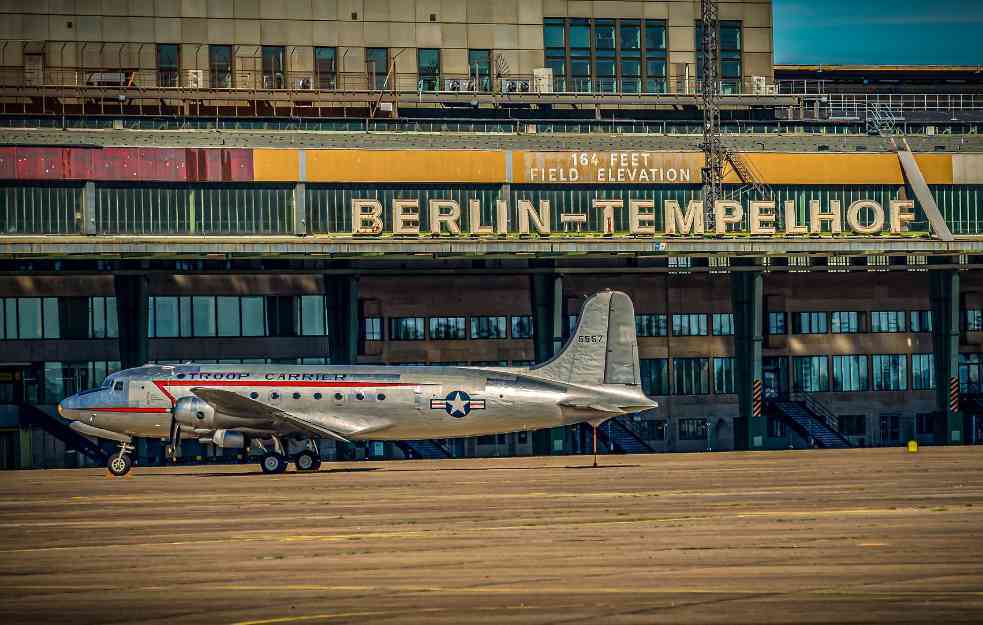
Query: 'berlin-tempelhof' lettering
[{"x": 445, "y": 217}]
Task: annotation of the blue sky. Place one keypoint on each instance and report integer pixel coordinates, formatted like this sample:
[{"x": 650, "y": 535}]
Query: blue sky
[{"x": 883, "y": 32}]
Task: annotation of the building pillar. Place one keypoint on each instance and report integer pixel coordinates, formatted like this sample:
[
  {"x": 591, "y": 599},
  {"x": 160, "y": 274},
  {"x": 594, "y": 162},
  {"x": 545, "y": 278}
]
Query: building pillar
[
  {"x": 300, "y": 209},
  {"x": 546, "y": 294},
  {"x": 89, "y": 208},
  {"x": 747, "y": 299},
  {"x": 132, "y": 311},
  {"x": 343, "y": 321},
  {"x": 944, "y": 286}
]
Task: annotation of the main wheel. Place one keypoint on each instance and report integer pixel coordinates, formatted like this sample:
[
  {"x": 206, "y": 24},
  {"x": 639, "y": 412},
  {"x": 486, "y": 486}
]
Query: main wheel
[
  {"x": 307, "y": 460},
  {"x": 273, "y": 462},
  {"x": 120, "y": 464}
]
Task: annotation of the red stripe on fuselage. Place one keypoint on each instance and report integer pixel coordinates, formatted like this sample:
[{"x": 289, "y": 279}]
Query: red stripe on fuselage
[
  {"x": 162, "y": 384},
  {"x": 122, "y": 409}
]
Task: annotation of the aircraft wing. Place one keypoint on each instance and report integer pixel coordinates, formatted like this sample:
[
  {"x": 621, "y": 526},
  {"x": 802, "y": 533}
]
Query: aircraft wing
[{"x": 236, "y": 405}]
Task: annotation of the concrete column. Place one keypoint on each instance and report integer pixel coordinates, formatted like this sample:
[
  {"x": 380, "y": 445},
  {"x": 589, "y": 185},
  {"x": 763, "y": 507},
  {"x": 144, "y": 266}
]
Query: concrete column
[
  {"x": 300, "y": 209},
  {"x": 546, "y": 291},
  {"x": 747, "y": 298},
  {"x": 89, "y": 208},
  {"x": 944, "y": 285},
  {"x": 343, "y": 321},
  {"x": 132, "y": 313}
]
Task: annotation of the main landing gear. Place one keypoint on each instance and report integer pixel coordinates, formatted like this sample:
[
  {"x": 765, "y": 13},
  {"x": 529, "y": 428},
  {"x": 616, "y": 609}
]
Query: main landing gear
[
  {"x": 275, "y": 460},
  {"x": 120, "y": 463}
]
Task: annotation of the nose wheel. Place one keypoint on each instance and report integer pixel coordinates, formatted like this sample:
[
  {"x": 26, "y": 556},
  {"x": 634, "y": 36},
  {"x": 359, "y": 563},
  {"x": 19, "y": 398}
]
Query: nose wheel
[{"x": 119, "y": 464}]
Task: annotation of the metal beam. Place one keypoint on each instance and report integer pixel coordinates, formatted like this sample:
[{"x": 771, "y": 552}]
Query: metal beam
[
  {"x": 944, "y": 285},
  {"x": 917, "y": 182},
  {"x": 343, "y": 318},
  {"x": 747, "y": 299},
  {"x": 132, "y": 301}
]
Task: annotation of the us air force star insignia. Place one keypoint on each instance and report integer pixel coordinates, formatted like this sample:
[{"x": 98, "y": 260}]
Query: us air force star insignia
[{"x": 457, "y": 404}]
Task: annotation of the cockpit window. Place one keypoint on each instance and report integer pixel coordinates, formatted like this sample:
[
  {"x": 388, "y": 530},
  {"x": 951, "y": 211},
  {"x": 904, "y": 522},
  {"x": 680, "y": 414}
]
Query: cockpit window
[
  {"x": 118, "y": 386},
  {"x": 91, "y": 390}
]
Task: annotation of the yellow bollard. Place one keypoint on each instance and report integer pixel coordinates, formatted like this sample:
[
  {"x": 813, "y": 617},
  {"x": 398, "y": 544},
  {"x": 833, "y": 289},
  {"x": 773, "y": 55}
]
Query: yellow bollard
[{"x": 912, "y": 447}]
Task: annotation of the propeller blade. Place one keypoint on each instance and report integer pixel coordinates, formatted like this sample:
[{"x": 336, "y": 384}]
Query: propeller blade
[{"x": 175, "y": 438}]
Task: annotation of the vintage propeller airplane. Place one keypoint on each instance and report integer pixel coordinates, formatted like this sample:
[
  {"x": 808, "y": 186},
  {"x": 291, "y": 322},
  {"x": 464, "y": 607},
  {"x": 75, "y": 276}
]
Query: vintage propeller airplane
[{"x": 278, "y": 408}]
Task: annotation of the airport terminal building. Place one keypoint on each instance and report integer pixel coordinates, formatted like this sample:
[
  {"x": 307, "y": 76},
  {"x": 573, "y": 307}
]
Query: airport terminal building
[{"x": 435, "y": 183}]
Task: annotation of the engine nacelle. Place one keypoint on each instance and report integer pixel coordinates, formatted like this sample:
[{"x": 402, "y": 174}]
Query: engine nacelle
[
  {"x": 229, "y": 440},
  {"x": 194, "y": 412}
]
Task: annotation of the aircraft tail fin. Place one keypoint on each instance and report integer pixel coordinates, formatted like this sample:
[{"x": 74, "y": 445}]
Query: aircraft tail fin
[{"x": 604, "y": 348}]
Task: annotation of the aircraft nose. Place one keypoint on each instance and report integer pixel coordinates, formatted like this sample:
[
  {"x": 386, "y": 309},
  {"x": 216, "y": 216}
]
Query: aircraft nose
[{"x": 68, "y": 407}]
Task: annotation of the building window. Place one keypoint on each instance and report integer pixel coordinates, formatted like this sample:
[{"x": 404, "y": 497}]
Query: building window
[
  {"x": 691, "y": 376},
  {"x": 853, "y": 424},
  {"x": 850, "y": 373},
  {"x": 479, "y": 69},
  {"x": 312, "y": 313},
  {"x": 655, "y": 375},
  {"x": 572, "y": 324},
  {"x": 168, "y": 65},
  {"x": 971, "y": 373},
  {"x": 652, "y": 429},
  {"x": 689, "y": 324},
  {"x": 253, "y": 315},
  {"x": 522, "y": 327},
  {"x": 776, "y": 428},
  {"x": 220, "y": 66},
  {"x": 844, "y": 322},
  {"x": 102, "y": 318},
  {"x": 922, "y": 372},
  {"x": 488, "y": 327},
  {"x": 809, "y": 323},
  {"x": 428, "y": 69},
  {"x": 924, "y": 423},
  {"x": 606, "y": 55},
  {"x": 730, "y": 56},
  {"x": 447, "y": 328},
  {"x": 887, "y": 321},
  {"x": 372, "y": 329},
  {"x": 921, "y": 320},
  {"x": 326, "y": 67},
  {"x": 406, "y": 329},
  {"x": 810, "y": 374},
  {"x": 26, "y": 318},
  {"x": 229, "y": 316},
  {"x": 890, "y": 372},
  {"x": 650, "y": 325},
  {"x": 973, "y": 320},
  {"x": 723, "y": 375},
  {"x": 692, "y": 429},
  {"x": 273, "y": 68},
  {"x": 776, "y": 322},
  {"x": 723, "y": 324}
]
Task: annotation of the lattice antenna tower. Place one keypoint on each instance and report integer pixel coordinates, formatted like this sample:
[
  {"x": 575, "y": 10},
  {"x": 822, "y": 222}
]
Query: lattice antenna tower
[{"x": 713, "y": 151}]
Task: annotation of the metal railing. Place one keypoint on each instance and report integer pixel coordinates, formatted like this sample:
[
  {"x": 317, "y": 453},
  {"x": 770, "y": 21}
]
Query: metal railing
[{"x": 819, "y": 409}]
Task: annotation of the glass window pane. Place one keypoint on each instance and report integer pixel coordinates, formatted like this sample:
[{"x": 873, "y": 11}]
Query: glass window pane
[
  {"x": 228, "y": 316},
  {"x": 204, "y": 315},
  {"x": 730, "y": 35},
  {"x": 97, "y": 317},
  {"x": 220, "y": 66},
  {"x": 29, "y": 317},
  {"x": 312, "y": 315},
  {"x": 604, "y": 34},
  {"x": 553, "y": 35},
  {"x": 630, "y": 35},
  {"x": 325, "y": 66},
  {"x": 51, "y": 327},
  {"x": 253, "y": 317},
  {"x": 579, "y": 34},
  {"x": 112, "y": 323},
  {"x": 166, "y": 316},
  {"x": 655, "y": 35},
  {"x": 273, "y": 77}
]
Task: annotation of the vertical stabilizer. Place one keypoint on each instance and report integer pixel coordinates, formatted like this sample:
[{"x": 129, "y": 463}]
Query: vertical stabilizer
[{"x": 604, "y": 348}]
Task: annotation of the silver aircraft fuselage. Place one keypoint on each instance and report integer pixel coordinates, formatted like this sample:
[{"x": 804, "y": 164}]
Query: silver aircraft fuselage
[{"x": 357, "y": 402}]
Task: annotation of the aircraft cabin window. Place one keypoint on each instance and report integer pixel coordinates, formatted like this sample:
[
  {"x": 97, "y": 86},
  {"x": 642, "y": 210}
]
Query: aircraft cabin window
[
  {"x": 317, "y": 396},
  {"x": 337, "y": 396},
  {"x": 359, "y": 396},
  {"x": 254, "y": 395},
  {"x": 274, "y": 395},
  {"x": 296, "y": 395},
  {"x": 381, "y": 397}
]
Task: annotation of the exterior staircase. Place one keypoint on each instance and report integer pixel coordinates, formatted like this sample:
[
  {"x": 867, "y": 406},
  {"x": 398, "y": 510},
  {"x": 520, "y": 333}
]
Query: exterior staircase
[
  {"x": 424, "y": 449},
  {"x": 809, "y": 422},
  {"x": 55, "y": 426},
  {"x": 619, "y": 435}
]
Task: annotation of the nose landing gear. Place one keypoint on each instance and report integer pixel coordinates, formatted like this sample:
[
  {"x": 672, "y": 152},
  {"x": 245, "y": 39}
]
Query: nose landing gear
[{"x": 120, "y": 464}]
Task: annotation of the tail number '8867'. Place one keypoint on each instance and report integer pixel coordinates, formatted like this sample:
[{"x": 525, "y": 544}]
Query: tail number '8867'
[{"x": 590, "y": 338}]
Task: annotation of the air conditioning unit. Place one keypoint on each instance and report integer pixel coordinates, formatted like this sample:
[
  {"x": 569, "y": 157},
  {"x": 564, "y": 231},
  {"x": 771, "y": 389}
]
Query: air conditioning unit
[
  {"x": 194, "y": 78},
  {"x": 771, "y": 90},
  {"x": 759, "y": 85},
  {"x": 542, "y": 80},
  {"x": 303, "y": 84},
  {"x": 515, "y": 85},
  {"x": 455, "y": 84}
]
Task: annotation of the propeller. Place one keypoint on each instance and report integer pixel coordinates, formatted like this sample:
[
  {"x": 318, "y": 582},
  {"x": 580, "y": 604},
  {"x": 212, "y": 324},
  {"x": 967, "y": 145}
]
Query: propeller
[{"x": 175, "y": 438}]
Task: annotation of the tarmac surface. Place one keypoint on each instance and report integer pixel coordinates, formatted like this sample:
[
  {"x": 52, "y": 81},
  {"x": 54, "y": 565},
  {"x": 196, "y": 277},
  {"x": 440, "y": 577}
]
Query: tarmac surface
[{"x": 853, "y": 536}]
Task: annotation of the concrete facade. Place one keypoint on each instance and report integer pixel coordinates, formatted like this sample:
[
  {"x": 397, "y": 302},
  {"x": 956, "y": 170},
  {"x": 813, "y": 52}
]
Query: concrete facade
[{"x": 120, "y": 34}]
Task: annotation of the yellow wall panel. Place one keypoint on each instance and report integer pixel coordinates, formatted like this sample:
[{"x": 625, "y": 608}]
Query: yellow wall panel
[
  {"x": 937, "y": 168},
  {"x": 776, "y": 168},
  {"x": 405, "y": 166},
  {"x": 270, "y": 165}
]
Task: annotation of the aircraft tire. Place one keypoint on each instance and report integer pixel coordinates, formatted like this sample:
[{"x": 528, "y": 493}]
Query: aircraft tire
[
  {"x": 272, "y": 462},
  {"x": 119, "y": 464},
  {"x": 307, "y": 461}
]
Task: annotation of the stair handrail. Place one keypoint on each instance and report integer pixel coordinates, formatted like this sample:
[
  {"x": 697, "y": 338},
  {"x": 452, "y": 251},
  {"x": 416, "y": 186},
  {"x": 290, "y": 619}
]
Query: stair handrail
[{"x": 816, "y": 407}]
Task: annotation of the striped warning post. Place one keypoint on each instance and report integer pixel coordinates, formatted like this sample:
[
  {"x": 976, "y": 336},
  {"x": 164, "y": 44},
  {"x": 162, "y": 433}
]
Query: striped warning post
[
  {"x": 757, "y": 396},
  {"x": 953, "y": 394}
]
